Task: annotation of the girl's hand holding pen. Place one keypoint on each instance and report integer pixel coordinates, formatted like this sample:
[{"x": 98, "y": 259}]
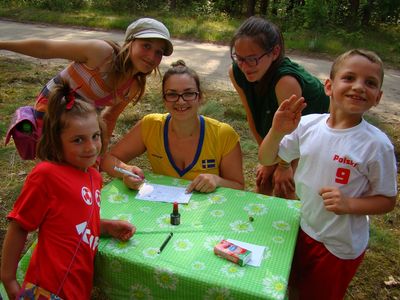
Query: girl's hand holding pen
[{"x": 133, "y": 178}]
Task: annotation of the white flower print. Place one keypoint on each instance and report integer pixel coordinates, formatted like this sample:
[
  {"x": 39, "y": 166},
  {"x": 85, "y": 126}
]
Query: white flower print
[
  {"x": 139, "y": 291},
  {"x": 241, "y": 193},
  {"x": 153, "y": 176},
  {"x": 116, "y": 266},
  {"x": 183, "y": 245},
  {"x": 192, "y": 205},
  {"x": 275, "y": 286},
  {"x": 164, "y": 221},
  {"x": 212, "y": 241},
  {"x": 165, "y": 278},
  {"x": 217, "y": 213},
  {"x": 198, "y": 266},
  {"x": 150, "y": 252},
  {"x": 281, "y": 225},
  {"x": 123, "y": 217},
  {"x": 197, "y": 225},
  {"x": 256, "y": 209},
  {"x": 218, "y": 293},
  {"x": 118, "y": 198},
  {"x": 118, "y": 246},
  {"x": 278, "y": 239},
  {"x": 105, "y": 285},
  {"x": 21, "y": 271},
  {"x": 241, "y": 226},
  {"x": 147, "y": 229},
  {"x": 263, "y": 197},
  {"x": 178, "y": 182},
  {"x": 145, "y": 209},
  {"x": 216, "y": 199},
  {"x": 294, "y": 204},
  {"x": 267, "y": 253},
  {"x": 232, "y": 270}
]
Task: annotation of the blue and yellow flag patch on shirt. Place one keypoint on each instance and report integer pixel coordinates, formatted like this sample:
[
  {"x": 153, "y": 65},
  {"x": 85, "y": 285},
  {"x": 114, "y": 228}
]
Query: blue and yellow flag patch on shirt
[{"x": 208, "y": 163}]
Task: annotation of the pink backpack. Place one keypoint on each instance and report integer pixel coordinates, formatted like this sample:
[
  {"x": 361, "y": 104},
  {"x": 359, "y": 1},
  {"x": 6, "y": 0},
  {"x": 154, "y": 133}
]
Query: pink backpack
[{"x": 24, "y": 131}]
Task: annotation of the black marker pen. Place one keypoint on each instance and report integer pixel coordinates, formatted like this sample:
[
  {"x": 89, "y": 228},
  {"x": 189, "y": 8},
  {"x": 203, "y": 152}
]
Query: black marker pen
[{"x": 165, "y": 242}]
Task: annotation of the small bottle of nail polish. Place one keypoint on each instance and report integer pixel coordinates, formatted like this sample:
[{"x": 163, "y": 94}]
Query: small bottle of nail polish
[{"x": 175, "y": 215}]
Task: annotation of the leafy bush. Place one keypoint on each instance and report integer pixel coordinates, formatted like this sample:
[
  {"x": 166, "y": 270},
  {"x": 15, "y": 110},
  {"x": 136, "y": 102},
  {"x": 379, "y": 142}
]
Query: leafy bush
[
  {"x": 57, "y": 5},
  {"x": 128, "y": 5},
  {"x": 315, "y": 14}
]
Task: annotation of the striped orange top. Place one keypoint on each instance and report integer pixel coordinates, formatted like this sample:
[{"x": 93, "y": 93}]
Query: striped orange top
[{"x": 91, "y": 82}]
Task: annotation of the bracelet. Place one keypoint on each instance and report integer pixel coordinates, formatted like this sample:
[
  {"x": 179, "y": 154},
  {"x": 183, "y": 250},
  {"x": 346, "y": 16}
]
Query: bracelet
[{"x": 284, "y": 164}]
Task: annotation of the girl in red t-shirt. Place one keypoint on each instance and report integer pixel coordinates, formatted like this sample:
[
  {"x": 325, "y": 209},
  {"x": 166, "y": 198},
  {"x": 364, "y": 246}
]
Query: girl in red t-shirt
[{"x": 61, "y": 199}]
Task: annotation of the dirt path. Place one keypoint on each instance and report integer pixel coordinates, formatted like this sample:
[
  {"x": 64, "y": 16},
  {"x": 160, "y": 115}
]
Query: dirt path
[{"x": 209, "y": 60}]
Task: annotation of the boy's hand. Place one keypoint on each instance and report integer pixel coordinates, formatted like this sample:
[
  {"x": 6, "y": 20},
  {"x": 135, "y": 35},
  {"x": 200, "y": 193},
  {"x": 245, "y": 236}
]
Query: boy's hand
[
  {"x": 334, "y": 200},
  {"x": 263, "y": 175},
  {"x": 284, "y": 185},
  {"x": 288, "y": 115},
  {"x": 118, "y": 229}
]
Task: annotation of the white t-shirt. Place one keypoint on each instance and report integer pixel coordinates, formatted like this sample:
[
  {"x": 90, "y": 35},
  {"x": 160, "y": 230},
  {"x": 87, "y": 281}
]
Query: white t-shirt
[{"x": 359, "y": 160}]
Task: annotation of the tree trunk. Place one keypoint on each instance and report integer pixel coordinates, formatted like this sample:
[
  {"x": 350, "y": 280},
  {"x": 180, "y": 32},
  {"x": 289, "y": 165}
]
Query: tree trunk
[
  {"x": 172, "y": 5},
  {"x": 274, "y": 9},
  {"x": 366, "y": 12},
  {"x": 354, "y": 6},
  {"x": 293, "y": 3},
  {"x": 264, "y": 7},
  {"x": 251, "y": 8},
  {"x": 290, "y": 5}
]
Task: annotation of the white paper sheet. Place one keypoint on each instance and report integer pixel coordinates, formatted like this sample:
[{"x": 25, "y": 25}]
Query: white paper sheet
[
  {"x": 163, "y": 193},
  {"x": 257, "y": 252}
]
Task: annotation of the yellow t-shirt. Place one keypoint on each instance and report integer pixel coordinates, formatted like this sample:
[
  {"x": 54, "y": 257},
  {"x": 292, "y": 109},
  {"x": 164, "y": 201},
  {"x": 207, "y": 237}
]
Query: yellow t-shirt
[{"x": 216, "y": 140}]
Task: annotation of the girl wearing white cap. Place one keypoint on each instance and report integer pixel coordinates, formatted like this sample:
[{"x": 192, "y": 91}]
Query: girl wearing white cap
[{"x": 102, "y": 72}]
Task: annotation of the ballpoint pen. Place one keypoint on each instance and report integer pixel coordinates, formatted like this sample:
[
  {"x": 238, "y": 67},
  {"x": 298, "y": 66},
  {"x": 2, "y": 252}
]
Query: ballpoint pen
[
  {"x": 165, "y": 242},
  {"x": 126, "y": 172}
]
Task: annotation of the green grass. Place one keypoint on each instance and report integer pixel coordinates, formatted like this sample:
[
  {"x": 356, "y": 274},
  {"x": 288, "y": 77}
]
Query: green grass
[{"x": 21, "y": 80}]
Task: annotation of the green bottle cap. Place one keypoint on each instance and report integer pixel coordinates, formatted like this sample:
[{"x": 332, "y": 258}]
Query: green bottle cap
[{"x": 26, "y": 127}]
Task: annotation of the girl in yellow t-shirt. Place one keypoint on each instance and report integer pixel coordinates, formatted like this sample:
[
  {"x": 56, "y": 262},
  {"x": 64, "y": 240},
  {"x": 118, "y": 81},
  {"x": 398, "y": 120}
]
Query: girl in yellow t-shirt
[{"x": 181, "y": 143}]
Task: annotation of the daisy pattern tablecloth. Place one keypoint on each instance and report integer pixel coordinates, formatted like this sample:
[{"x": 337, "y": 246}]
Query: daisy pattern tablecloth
[{"x": 187, "y": 268}]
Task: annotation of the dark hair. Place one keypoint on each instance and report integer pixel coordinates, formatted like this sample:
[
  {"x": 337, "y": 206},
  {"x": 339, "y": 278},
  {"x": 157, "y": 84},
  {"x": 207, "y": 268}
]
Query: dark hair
[
  {"x": 266, "y": 35},
  {"x": 56, "y": 119},
  {"x": 370, "y": 55},
  {"x": 179, "y": 67}
]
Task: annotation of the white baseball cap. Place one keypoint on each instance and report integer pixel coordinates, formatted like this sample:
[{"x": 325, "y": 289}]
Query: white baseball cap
[{"x": 146, "y": 28}]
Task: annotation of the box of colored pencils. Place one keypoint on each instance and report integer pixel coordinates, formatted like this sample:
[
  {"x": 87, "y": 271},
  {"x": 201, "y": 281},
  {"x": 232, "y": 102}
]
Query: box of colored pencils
[{"x": 232, "y": 252}]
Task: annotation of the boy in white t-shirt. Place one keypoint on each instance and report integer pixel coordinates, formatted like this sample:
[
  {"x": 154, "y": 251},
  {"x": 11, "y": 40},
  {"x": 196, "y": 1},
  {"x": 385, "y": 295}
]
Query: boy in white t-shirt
[{"x": 347, "y": 171}]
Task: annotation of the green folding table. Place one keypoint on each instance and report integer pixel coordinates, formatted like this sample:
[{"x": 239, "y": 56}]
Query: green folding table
[{"x": 187, "y": 268}]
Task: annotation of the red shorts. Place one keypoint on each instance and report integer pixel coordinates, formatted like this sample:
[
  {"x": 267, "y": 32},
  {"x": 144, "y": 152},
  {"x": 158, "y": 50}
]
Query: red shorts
[{"x": 317, "y": 273}]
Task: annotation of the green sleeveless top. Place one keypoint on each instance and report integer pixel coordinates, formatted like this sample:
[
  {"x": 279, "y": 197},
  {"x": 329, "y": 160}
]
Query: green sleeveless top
[{"x": 264, "y": 107}]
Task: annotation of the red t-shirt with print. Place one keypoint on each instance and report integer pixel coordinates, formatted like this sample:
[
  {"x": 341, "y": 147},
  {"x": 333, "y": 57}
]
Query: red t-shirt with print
[{"x": 63, "y": 202}]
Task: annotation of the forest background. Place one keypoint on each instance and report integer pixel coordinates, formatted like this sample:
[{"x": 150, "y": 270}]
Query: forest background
[
  {"x": 316, "y": 28},
  {"x": 325, "y": 27}
]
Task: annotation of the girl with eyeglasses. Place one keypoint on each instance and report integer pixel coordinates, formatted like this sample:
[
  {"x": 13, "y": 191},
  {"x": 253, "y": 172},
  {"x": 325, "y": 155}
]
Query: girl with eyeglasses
[
  {"x": 181, "y": 143},
  {"x": 264, "y": 77}
]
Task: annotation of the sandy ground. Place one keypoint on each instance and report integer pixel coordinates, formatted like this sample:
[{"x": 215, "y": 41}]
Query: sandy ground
[{"x": 209, "y": 60}]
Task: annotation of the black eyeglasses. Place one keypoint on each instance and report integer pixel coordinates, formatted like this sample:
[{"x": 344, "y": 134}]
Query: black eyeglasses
[
  {"x": 186, "y": 96},
  {"x": 251, "y": 61}
]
